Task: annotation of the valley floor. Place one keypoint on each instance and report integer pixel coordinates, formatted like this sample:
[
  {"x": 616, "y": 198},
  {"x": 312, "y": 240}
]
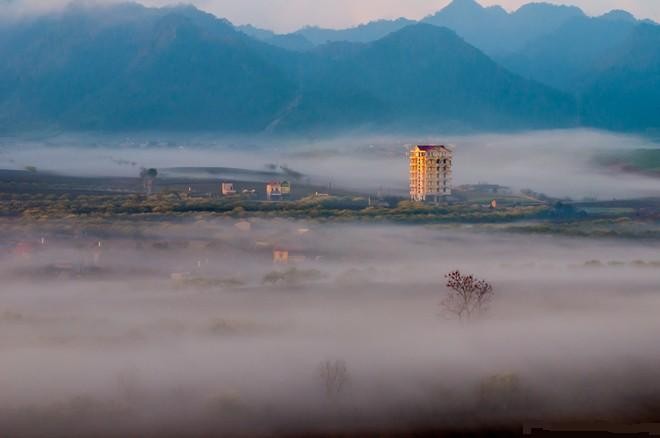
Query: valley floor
[
  {"x": 72, "y": 202},
  {"x": 188, "y": 314}
]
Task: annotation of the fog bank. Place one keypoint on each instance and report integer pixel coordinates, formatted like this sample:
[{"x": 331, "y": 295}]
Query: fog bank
[
  {"x": 104, "y": 340},
  {"x": 557, "y": 163}
]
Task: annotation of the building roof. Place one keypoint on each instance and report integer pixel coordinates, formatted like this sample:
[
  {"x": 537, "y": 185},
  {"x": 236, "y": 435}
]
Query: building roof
[{"x": 429, "y": 147}]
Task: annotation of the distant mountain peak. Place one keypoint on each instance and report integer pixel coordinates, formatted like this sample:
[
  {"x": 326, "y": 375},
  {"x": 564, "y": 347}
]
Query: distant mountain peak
[
  {"x": 362, "y": 33},
  {"x": 256, "y": 32},
  {"x": 466, "y": 10},
  {"x": 549, "y": 6},
  {"x": 471, "y": 7},
  {"x": 619, "y": 15},
  {"x": 464, "y": 5},
  {"x": 548, "y": 14},
  {"x": 423, "y": 31}
]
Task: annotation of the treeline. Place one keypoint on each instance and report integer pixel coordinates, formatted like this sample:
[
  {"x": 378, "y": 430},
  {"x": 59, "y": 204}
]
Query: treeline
[{"x": 47, "y": 206}]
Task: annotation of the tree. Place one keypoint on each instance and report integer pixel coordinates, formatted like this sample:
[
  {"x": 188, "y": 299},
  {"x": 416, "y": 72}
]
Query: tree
[
  {"x": 148, "y": 176},
  {"x": 468, "y": 296}
]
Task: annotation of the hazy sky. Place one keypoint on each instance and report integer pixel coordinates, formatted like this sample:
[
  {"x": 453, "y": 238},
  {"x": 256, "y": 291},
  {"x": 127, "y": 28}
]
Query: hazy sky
[{"x": 287, "y": 15}]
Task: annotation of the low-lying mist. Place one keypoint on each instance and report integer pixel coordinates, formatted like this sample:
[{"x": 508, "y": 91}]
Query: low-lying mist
[
  {"x": 193, "y": 329},
  {"x": 557, "y": 163}
]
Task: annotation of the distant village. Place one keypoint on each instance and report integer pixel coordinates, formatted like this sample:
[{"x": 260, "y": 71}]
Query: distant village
[
  {"x": 430, "y": 181},
  {"x": 430, "y": 178}
]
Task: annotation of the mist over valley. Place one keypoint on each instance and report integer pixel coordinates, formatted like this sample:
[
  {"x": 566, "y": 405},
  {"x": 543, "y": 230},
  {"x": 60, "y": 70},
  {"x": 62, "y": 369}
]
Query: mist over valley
[
  {"x": 225, "y": 349},
  {"x": 441, "y": 225}
]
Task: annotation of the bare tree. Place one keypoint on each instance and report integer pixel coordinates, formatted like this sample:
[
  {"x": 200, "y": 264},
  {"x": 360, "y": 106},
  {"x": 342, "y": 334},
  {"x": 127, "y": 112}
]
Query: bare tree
[
  {"x": 468, "y": 296},
  {"x": 334, "y": 375}
]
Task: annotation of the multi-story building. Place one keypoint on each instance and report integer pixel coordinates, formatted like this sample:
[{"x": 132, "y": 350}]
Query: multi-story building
[{"x": 430, "y": 172}]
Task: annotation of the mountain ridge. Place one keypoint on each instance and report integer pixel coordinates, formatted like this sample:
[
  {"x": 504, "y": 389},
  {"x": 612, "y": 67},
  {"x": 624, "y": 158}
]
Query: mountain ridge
[{"x": 181, "y": 68}]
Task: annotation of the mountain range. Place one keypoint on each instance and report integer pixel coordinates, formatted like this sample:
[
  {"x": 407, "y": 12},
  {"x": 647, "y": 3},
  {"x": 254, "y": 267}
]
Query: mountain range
[{"x": 130, "y": 67}]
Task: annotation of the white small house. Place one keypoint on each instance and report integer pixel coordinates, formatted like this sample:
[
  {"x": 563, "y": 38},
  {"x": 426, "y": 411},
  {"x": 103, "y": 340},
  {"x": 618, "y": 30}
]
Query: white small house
[{"x": 227, "y": 189}]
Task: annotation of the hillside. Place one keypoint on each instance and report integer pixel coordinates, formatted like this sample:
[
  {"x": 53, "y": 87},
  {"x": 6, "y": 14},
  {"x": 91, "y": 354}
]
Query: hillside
[
  {"x": 179, "y": 68},
  {"x": 566, "y": 57},
  {"x": 624, "y": 91},
  {"x": 174, "y": 68},
  {"x": 423, "y": 76}
]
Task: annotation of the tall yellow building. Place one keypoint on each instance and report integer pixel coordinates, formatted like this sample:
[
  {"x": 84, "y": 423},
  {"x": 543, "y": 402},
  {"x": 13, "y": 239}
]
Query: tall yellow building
[{"x": 430, "y": 172}]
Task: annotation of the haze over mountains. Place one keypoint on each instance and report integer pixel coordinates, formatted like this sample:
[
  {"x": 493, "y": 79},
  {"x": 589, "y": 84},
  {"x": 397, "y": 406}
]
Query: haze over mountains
[{"x": 128, "y": 67}]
